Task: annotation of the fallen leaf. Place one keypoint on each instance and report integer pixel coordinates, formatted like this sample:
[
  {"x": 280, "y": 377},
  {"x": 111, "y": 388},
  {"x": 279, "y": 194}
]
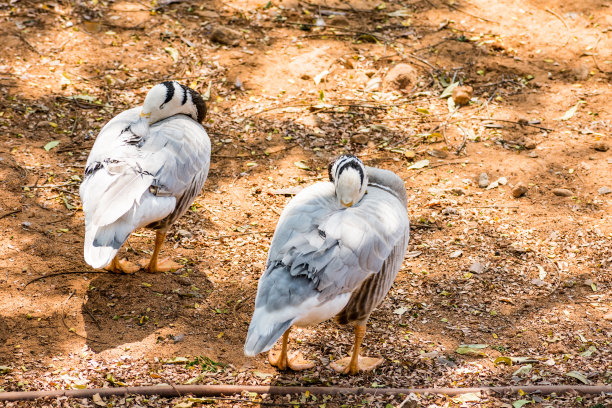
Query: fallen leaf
[
  {"x": 579, "y": 376},
  {"x": 503, "y": 360},
  {"x": 51, "y": 145},
  {"x": 177, "y": 360},
  {"x": 97, "y": 400},
  {"x": 301, "y": 165},
  {"x": 448, "y": 91},
  {"x": 419, "y": 165},
  {"x": 571, "y": 111},
  {"x": 5, "y": 369},
  {"x": 400, "y": 310},
  {"x": 319, "y": 77},
  {"x": 524, "y": 370},
  {"x": 542, "y": 274},
  {"x": 467, "y": 397},
  {"x": 173, "y": 53},
  {"x": 471, "y": 349},
  {"x": 520, "y": 403}
]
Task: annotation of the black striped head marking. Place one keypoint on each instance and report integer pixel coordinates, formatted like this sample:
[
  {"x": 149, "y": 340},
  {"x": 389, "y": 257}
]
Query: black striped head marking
[
  {"x": 171, "y": 98},
  {"x": 350, "y": 179}
]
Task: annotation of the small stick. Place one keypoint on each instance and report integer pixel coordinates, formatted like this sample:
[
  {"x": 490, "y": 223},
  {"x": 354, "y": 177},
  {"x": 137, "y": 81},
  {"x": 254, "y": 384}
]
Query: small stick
[
  {"x": 10, "y": 213},
  {"x": 74, "y": 331},
  {"x": 60, "y": 273},
  {"x": 92, "y": 316},
  {"x": 564, "y": 23}
]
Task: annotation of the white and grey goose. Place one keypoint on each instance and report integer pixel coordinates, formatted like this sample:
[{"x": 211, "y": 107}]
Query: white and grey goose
[
  {"x": 146, "y": 167},
  {"x": 335, "y": 252}
]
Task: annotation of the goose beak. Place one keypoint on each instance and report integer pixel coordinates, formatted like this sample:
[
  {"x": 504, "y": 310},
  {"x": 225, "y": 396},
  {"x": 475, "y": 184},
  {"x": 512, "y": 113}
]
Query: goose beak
[{"x": 349, "y": 204}]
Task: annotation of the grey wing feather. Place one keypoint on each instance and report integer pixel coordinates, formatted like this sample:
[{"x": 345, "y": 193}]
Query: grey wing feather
[{"x": 334, "y": 247}]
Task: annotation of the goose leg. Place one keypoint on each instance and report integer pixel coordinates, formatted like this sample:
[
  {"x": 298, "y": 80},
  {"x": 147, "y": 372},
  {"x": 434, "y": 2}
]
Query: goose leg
[
  {"x": 283, "y": 361},
  {"x": 121, "y": 266},
  {"x": 352, "y": 365},
  {"x": 165, "y": 265}
]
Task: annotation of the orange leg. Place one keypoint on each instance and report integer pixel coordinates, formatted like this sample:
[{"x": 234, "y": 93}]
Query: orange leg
[
  {"x": 165, "y": 265},
  {"x": 282, "y": 361},
  {"x": 352, "y": 365},
  {"x": 121, "y": 266}
]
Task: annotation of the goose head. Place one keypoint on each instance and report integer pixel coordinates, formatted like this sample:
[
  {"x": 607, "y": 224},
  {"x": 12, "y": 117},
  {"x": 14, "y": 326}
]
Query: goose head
[
  {"x": 171, "y": 98},
  {"x": 350, "y": 179}
]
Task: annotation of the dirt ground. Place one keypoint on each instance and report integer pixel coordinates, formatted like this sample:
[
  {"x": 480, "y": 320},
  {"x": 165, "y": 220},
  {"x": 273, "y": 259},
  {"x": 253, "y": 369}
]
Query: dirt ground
[{"x": 291, "y": 86}]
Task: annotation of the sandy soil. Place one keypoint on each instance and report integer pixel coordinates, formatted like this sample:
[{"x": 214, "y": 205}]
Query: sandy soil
[{"x": 292, "y": 86}]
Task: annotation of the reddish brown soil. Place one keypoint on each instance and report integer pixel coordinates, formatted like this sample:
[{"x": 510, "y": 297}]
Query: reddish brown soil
[{"x": 544, "y": 289}]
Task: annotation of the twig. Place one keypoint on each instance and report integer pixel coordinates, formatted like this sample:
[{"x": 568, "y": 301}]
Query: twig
[
  {"x": 51, "y": 185},
  {"x": 58, "y": 274},
  {"x": 10, "y": 213},
  {"x": 522, "y": 123},
  {"x": 469, "y": 14},
  {"x": 73, "y": 330},
  {"x": 242, "y": 234},
  {"x": 564, "y": 23},
  {"x": 30, "y": 46},
  {"x": 92, "y": 316}
]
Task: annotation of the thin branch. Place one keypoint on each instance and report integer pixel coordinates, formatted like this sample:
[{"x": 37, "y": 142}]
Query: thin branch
[
  {"x": 59, "y": 274},
  {"x": 10, "y": 213},
  {"x": 564, "y": 23}
]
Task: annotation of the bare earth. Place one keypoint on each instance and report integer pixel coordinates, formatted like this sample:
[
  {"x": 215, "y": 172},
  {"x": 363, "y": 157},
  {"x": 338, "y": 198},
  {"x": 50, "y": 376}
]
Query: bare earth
[{"x": 296, "y": 84}]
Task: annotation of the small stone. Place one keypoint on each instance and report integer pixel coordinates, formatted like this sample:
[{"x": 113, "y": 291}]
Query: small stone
[
  {"x": 601, "y": 191},
  {"x": 402, "y": 76},
  {"x": 608, "y": 316},
  {"x": 360, "y": 138},
  {"x": 519, "y": 190},
  {"x": 26, "y": 224},
  {"x": 562, "y": 192},
  {"x": 449, "y": 211},
  {"x": 178, "y": 338},
  {"x": 477, "y": 267},
  {"x": 184, "y": 233},
  {"x": 502, "y": 181},
  {"x": 462, "y": 94},
  {"x": 532, "y": 154},
  {"x": 340, "y": 21},
  {"x": 483, "y": 180},
  {"x": 440, "y": 154},
  {"x": 226, "y": 36},
  {"x": 320, "y": 142},
  {"x": 456, "y": 191},
  {"x": 601, "y": 147},
  {"x": 529, "y": 144},
  {"x": 456, "y": 254}
]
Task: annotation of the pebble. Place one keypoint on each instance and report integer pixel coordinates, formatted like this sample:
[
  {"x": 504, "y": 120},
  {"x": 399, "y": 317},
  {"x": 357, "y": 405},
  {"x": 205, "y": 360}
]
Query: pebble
[
  {"x": 601, "y": 147},
  {"x": 483, "y": 180},
  {"x": 360, "y": 138},
  {"x": 562, "y": 192},
  {"x": 462, "y": 94},
  {"x": 224, "y": 35},
  {"x": 184, "y": 233},
  {"x": 519, "y": 190},
  {"x": 608, "y": 316},
  {"x": 26, "y": 224},
  {"x": 477, "y": 267},
  {"x": 340, "y": 21},
  {"x": 402, "y": 76},
  {"x": 440, "y": 154},
  {"x": 456, "y": 254},
  {"x": 456, "y": 191},
  {"x": 532, "y": 154},
  {"x": 604, "y": 191},
  {"x": 529, "y": 143},
  {"x": 449, "y": 211}
]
